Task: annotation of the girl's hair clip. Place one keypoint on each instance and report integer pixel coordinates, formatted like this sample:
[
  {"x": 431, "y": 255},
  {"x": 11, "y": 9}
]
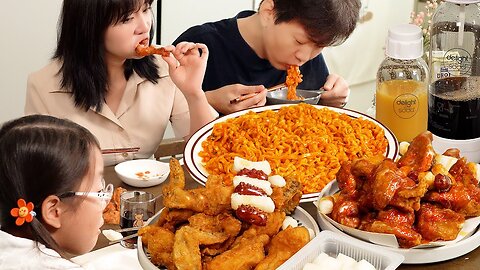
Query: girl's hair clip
[{"x": 23, "y": 213}]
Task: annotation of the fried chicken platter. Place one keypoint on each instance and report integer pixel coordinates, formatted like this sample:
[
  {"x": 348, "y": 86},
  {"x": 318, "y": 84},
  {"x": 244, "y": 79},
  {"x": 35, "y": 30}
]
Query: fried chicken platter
[
  {"x": 420, "y": 199},
  {"x": 240, "y": 226}
]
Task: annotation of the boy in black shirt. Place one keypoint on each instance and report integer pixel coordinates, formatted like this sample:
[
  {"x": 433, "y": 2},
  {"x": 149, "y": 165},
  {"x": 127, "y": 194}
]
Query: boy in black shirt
[{"x": 253, "y": 50}]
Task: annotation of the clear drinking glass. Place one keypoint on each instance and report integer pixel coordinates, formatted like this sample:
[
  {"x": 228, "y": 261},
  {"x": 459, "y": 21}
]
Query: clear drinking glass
[{"x": 136, "y": 207}]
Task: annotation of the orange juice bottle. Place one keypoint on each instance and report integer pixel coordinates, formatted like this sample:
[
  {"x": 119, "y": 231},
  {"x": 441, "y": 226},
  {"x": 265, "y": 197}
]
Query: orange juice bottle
[{"x": 401, "y": 101}]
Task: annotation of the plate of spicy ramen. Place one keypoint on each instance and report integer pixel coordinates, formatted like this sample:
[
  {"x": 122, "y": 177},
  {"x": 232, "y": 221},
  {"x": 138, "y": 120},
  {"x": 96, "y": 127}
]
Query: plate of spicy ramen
[{"x": 302, "y": 141}]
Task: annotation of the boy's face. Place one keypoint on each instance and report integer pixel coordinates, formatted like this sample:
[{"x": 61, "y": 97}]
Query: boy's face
[{"x": 288, "y": 44}]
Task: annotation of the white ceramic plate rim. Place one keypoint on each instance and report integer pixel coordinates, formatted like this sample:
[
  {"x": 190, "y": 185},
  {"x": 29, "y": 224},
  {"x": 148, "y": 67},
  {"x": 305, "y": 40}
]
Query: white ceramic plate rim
[
  {"x": 416, "y": 256},
  {"x": 300, "y": 214},
  {"x": 194, "y": 144}
]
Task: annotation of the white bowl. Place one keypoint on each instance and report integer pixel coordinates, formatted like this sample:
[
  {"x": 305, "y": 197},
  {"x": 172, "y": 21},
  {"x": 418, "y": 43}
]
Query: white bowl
[
  {"x": 142, "y": 172},
  {"x": 280, "y": 96}
]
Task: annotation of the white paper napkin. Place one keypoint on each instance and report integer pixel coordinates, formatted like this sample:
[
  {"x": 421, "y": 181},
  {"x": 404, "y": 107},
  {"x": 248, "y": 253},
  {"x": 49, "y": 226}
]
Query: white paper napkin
[{"x": 111, "y": 257}]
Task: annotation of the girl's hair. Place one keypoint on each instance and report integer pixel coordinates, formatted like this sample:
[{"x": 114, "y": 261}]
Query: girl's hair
[
  {"x": 81, "y": 48},
  {"x": 327, "y": 22},
  {"x": 40, "y": 156}
]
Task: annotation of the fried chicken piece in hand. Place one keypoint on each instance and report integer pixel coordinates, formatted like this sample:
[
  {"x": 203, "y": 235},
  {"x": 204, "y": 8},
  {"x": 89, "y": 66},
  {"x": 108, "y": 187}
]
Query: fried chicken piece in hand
[
  {"x": 243, "y": 256},
  {"x": 435, "y": 223},
  {"x": 283, "y": 246},
  {"x": 143, "y": 49},
  {"x": 420, "y": 153}
]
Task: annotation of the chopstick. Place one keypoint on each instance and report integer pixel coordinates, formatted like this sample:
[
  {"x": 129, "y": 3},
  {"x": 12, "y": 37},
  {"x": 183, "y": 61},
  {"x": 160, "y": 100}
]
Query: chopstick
[
  {"x": 247, "y": 96},
  {"x": 124, "y": 238},
  {"x": 276, "y": 87},
  {"x": 120, "y": 150},
  {"x": 128, "y": 229}
]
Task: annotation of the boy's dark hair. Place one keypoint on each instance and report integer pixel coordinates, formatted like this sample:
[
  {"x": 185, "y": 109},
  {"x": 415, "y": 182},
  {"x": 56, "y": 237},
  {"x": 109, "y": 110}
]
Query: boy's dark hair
[
  {"x": 40, "y": 156},
  {"x": 80, "y": 48},
  {"x": 327, "y": 22}
]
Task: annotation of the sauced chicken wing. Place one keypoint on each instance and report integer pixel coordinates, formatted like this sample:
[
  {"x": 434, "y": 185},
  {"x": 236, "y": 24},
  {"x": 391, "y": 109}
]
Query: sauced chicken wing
[
  {"x": 347, "y": 183},
  {"x": 395, "y": 216},
  {"x": 346, "y": 212},
  {"x": 435, "y": 223},
  {"x": 462, "y": 173},
  {"x": 455, "y": 198},
  {"x": 396, "y": 222},
  {"x": 364, "y": 168},
  {"x": 420, "y": 153},
  {"x": 406, "y": 236},
  {"x": 387, "y": 181}
]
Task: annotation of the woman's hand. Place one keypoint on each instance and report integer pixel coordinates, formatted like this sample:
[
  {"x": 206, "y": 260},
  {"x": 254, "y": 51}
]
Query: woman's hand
[
  {"x": 336, "y": 92},
  {"x": 235, "y": 97},
  {"x": 187, "y": 66}
]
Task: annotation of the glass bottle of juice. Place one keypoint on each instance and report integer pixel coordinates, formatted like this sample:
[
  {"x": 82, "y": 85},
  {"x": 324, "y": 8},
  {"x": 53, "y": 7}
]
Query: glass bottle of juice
[{"x": 402, "y": 78}]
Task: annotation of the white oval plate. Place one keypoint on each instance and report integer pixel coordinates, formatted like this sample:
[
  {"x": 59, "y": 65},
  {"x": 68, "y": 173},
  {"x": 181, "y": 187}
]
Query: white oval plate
[
  {"x": 302, "y": 216},
  {"x": 412, "y": 255},
  {"x": 194, "y": 144}
]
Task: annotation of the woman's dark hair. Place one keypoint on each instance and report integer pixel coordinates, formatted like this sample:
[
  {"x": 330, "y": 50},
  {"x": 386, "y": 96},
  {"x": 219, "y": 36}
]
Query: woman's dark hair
[
  {"x": 327, "y": 22},
  {"x": 40, "y": 156},
  {"x": 81, "y": 48}
]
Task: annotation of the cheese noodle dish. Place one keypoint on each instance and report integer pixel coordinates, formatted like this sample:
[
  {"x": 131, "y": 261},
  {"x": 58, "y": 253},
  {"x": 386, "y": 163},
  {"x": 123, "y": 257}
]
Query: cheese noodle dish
[{"x": 299, "y": 141}]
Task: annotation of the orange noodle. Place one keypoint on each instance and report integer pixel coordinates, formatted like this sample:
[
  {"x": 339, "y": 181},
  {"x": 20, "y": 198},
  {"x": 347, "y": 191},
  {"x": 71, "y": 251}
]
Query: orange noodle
[
  {"x": 298, "y": 141},
  {"x": 293, "y": 79}
]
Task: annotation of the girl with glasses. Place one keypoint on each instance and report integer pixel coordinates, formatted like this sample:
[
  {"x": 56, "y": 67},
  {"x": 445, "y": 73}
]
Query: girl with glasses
[{"x": 52, "y": 193}]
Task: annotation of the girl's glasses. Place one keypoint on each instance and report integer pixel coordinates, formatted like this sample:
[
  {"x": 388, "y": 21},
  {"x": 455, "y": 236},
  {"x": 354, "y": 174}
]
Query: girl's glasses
[{"x": 104, "y": 195}]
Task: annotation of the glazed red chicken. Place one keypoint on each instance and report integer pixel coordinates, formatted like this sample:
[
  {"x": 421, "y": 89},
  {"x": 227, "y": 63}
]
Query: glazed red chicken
[{"x": 414, "y": 199}]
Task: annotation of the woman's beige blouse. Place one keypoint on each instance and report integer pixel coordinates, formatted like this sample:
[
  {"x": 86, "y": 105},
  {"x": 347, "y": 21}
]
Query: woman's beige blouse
[{"x": 141, "y": 118}]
